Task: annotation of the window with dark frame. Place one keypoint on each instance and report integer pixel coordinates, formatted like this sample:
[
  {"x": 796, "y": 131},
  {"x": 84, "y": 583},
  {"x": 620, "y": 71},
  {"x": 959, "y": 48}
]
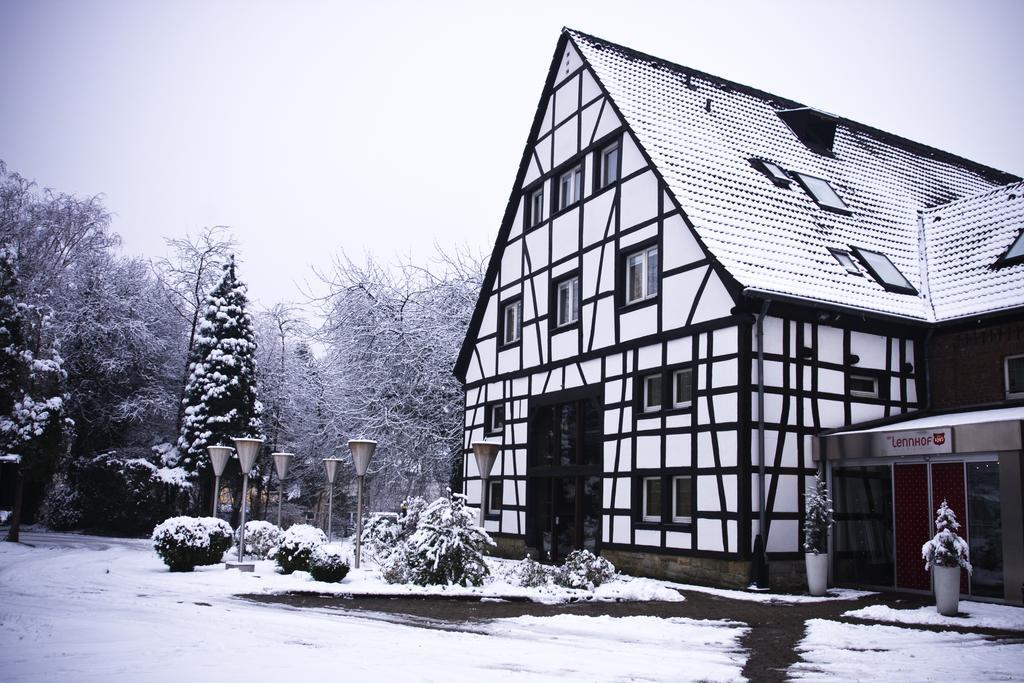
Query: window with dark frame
[
  {"x": 776, "y": 173},
  {"x": 863, "y": 386},
  {"x": 609, "y": 164},
  {"x": 567, "y": 301},
  {"x": 822, "y": 192},
  {"x": 641, "y": 274},
  {"x": 536, "y": 206},
  {"x": 495, "y": 488},
  {"x": 682, "y": 499},
  {"x": 682, "y": 388},
  {"x": 651, "y": 511},
  {"x": 1014, "y": 370},
  {"x": 846, "y": 261},
  {"x": 651, "y": 393},
  {"x": 511, "y": 322},
  {"x": 495, "y": 418},
  {"x": 884, "y": 272},
  {"x": 570, "y": 187},
  {"x": 1013, "y": 255}
]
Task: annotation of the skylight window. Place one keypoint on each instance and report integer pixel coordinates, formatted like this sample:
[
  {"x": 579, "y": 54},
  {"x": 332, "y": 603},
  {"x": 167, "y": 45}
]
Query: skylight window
[
  {"x": 846, "y": 261},
  {"x": 771, "y": 169},
  {"x": 882, "y": 269},
  {"x": 821, "y": 191},
  {"x": 1015, "y": 254}
]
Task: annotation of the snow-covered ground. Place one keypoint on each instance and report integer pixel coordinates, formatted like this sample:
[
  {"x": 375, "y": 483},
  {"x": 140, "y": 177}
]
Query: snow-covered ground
[
  {"x": 765, "y": 596},
  {"x": 975, "y": 615},
  {"x": 836, "y": 651},
  {"x": 92, "y": 609}
]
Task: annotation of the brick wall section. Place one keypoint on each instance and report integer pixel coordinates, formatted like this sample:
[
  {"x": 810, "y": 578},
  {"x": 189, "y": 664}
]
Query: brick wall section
[{"x": 967, "y": 367}]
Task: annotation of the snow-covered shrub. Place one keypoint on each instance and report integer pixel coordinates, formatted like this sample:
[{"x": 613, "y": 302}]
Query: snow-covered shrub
[
  {"x": 184, "y": 543},
  {"x": 260, "y": 538},
  {"x": 385, "y": 532},
  {"x": 446, "y": 548},
  {"x": 946, "y": 548},
  {"x": 818, "y": 518},
  {"x": 529, "y": 573},
  {"x": 585, "y": 570},
  {"x": 297, "y": 545},
  {"x": 327, "y": 563},
  {"x": 61, "y": 509}
]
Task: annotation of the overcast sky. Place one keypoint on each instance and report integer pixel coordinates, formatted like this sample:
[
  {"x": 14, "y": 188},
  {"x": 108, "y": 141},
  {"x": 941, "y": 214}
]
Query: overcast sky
[{"x": 383, "y": 126}]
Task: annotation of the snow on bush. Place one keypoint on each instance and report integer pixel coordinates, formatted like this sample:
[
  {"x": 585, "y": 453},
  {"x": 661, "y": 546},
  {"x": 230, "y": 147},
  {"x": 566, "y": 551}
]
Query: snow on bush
[
  {"x": 818, "y": 518},
  {"x": 327, "y": 563},
  {"x": 529, "y": 573},
  {"x": 384, "y": 532},
  {"x": 184, "y": 543},
  {"x": 584, "y": 570},
  {"x": 447, "y": 547},
  {"x": 946, "y": 548},
  {"x": 260, "y": 538},
  {"x": 297, "y": 545}
]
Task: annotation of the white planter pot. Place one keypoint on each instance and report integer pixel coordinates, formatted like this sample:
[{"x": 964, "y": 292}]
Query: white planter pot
[
  {"x": 947, "y": 590},
  {"x": 817, "y": 572}
]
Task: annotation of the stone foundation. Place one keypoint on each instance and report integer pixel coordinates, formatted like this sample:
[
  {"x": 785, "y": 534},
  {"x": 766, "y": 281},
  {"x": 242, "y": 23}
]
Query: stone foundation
[{"x": 511, "y": 548}]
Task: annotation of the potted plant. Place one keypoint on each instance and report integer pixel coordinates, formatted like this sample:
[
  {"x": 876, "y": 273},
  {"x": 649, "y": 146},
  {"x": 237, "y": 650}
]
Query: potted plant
[
  {"x": 945, "y": 554},
  {"x": 816, "y": 525}
]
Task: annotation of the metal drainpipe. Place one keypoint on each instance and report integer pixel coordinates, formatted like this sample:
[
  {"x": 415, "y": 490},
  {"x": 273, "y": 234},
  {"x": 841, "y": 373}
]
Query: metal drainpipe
[{"x": 762, "y": 513}]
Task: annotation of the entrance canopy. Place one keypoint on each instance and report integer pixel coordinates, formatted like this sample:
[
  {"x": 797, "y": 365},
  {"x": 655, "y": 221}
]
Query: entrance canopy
[{"x": 975, "y": 431}]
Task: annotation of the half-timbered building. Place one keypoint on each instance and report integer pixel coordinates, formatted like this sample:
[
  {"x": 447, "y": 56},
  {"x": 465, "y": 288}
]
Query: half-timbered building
[{"x": 693, "y": 282}]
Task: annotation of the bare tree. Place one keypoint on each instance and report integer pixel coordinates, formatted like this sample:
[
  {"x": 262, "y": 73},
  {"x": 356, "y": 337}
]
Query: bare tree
[{"x": 188, "y": 274}]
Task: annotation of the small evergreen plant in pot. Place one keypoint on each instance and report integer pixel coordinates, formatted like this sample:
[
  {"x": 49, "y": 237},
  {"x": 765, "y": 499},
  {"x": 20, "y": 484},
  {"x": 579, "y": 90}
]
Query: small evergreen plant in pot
[
  {"x": 184, "y": 543},
  {"x": 297, "y": 546},
  {"x": 817, "y": 522},
  {"x": 945, "y": 554},
  {"x": 327, "y": 563}
]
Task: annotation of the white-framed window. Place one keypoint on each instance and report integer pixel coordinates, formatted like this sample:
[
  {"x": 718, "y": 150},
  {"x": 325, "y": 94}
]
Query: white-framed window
[
  {"x": 682, "y": 388},
  {"x": 495, "y": 488},
  {"x": 495, "y": 418},
  {"x": 511, "y": 322},
  {"x": 642, "y": 274},
  {"x": 652, "y": 393},
  {"x": 567, "y": 301},
  {"x": 651, "y": 499},
  {"x": 1013, "y": 367},
  {"x": 864, "y": 386},
  {"x": 822, "y": 192},
  {"x": 537, "y": 206},
  {"x": 609, "y": 164},
  {"x": 682, "y": 500},
  {"x": 570, "y": 187}
]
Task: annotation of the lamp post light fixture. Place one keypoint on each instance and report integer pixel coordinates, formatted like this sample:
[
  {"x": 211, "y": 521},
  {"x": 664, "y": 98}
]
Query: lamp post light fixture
[
  {"x": 486, "y": 452},
  {"x": 219, "y": 456},
  {"x": 331, "y": 467},
  {"x": 247, "y": 450},
  {"x": 362, "y": 450},
  {"x": 281, "y": 461}
]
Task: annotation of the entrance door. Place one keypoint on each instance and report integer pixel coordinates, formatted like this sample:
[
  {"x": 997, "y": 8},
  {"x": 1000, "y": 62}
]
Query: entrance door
[
  {"x": 563, "y": 479},
  {"x": 913, "y": 528},
  {"x": 948, "y": 485}
]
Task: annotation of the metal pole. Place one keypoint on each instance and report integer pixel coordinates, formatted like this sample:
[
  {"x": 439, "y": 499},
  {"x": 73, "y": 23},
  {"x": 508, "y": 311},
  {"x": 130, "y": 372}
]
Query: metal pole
[
  {"x": 216, "y": 493},
  {"x": 483, "y": 499},
  {"x": 280, "y": 496},
  {"x": 359, "y": 518},
  {"x": 330, "y": 513},
  {"x": 245, "y": 492}
]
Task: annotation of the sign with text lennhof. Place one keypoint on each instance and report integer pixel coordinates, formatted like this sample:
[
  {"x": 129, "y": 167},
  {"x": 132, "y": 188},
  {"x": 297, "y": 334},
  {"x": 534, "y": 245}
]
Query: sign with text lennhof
[{"x": 918, "y": 442}]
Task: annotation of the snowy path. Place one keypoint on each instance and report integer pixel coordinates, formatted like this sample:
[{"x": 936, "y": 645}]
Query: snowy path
[{"x": 93, "y": 609}]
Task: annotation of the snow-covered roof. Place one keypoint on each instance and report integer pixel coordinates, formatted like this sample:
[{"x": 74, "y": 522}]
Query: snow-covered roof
[
  {"x": 702, "y": 132},
  {"x": 946, "y": 420}
]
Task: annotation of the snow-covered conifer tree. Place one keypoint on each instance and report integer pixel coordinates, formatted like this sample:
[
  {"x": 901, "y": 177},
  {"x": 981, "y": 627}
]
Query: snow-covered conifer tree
[
  {"x": 32, "y": 398},
  {"x": 818, "y": 518},
  {"x": 220, "y": 395},
  {"x": 946, "y": 548}
]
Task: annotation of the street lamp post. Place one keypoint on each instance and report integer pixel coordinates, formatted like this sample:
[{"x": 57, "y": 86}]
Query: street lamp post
[
  {"x": 219, "y": 456},
  {"x": 281, "y": 461},
  {"x": 486, "y": 452},
  {"x": 247, "y": 450},
  {"x": 362, "y": 450},
  {"x": 331, "y": 467}
]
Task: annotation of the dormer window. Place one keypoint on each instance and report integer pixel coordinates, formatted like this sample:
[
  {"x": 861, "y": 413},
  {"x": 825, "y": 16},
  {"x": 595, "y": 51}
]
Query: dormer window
[
  {"x": 883, "y": 270},
  {"x": 776, "y": 173},
  {"x": 816, "y": 129},
  {"x": 846, "y": 261},
  {"x": 822, "y": 193},
  {"x": 1015, "y": 254}
]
